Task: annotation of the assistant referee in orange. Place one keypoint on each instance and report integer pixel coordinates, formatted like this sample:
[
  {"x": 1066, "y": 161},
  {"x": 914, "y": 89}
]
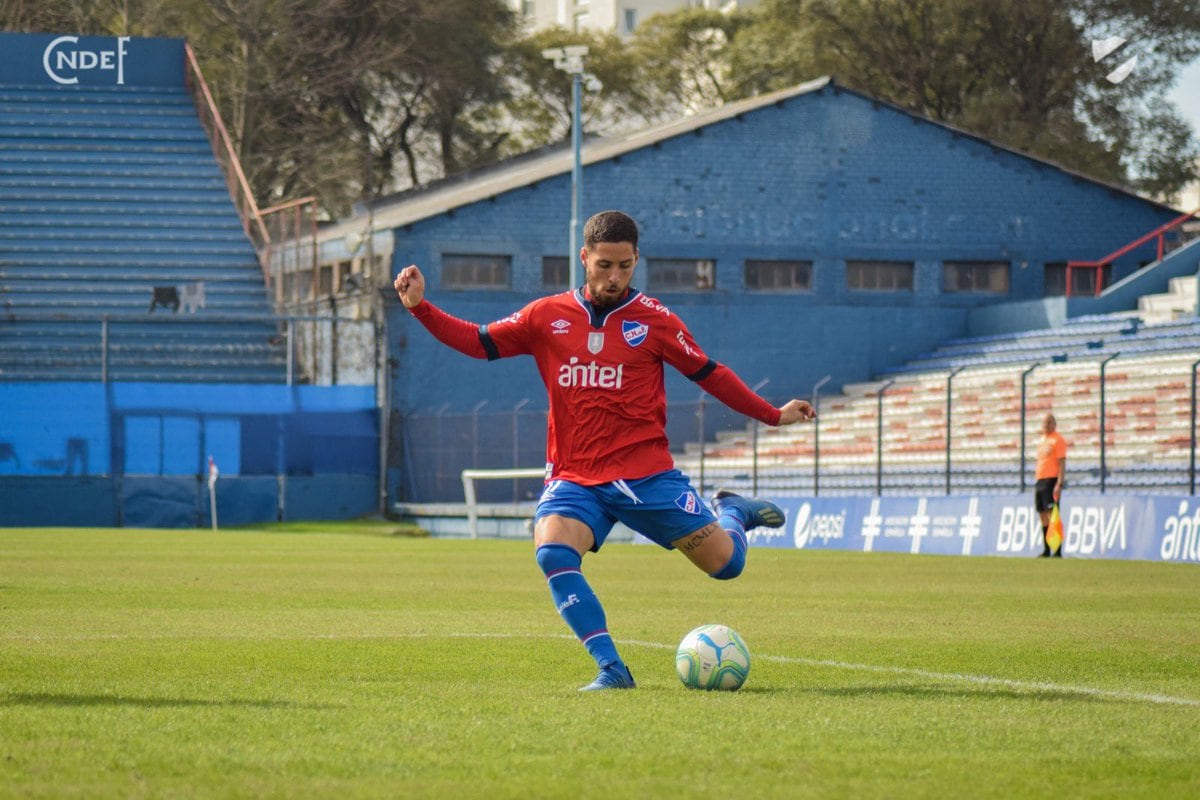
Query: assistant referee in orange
[{"x": 1050, "y": 474}]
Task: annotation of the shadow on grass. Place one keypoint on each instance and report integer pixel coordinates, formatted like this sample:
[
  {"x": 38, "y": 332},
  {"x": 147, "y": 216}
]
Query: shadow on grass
[
  {"x": 100, "y": 700},
  {"x": 940, "y": 692}
]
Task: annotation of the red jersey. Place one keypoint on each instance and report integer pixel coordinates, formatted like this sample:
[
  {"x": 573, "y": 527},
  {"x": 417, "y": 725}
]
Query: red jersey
[{"x": 603, "y": 371}]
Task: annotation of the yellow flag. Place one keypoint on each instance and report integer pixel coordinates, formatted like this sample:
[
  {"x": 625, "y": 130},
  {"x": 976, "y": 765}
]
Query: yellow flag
[{"x": 1054, "y": 533}]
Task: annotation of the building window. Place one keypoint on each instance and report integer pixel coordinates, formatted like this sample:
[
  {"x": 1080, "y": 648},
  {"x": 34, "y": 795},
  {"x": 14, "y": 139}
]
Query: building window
[
  {"x": 795, "y": 276},
  {"x": 463, "y": 271},
  {"x": 880, "y": 276},
  {"x": 581, "y": 21},
  {"x": 1083, "y": 279},
  {"x": 1054, "y": 279},
  {"x": 528, "y": 8},
  {"x": 303, "y": 285},
  {"x": 556, "y": 272},
  {"x": 680, "y": 274},
  {"x": 325, "y": 278},
  {"x": 975, "y": 276},
  {"x": 630, "y": 19},
  {"x": 343, "y": 269}
]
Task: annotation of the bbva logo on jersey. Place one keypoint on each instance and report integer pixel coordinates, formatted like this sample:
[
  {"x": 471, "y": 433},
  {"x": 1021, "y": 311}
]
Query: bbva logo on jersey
[{"x": 634, "y": 332}]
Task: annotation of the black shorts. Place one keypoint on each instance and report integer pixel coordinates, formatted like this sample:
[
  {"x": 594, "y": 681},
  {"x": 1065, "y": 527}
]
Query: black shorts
[{"x": 1043, "y": 494}]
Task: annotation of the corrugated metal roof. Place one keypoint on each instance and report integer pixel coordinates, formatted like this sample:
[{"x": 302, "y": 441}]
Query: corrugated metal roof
[{"x": 421, "y": 203}]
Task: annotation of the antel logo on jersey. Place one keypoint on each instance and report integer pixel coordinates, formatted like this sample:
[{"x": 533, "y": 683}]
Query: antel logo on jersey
[
  {"x": 561, "y": 326},
  {"x": 810, "y": 527},
  {"x": 59, "y": 60},
  {"x": 634, "y": 332},
  {"x": 590, "y": 375}
]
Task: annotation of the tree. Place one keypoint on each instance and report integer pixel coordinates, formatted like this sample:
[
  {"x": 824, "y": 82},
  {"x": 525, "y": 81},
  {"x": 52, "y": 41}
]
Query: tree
[
  {"x": 1016, "y": 71},
  {"x": 681, "y": 56},
  {"x": 540, "y": 104}
]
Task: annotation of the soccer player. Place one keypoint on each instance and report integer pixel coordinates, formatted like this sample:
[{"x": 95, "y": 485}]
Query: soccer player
[
  {"x": 600, "y": 350},
  {"x": 1050, "y": 473}
]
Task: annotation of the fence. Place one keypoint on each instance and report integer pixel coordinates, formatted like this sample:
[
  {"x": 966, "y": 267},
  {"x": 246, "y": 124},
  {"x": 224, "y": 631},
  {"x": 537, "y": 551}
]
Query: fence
[{"x": 974, "y": 431}]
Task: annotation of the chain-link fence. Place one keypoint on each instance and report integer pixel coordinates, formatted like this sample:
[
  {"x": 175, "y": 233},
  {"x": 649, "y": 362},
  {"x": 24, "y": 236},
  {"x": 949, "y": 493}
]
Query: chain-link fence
[{"x": 975, "y": 431}]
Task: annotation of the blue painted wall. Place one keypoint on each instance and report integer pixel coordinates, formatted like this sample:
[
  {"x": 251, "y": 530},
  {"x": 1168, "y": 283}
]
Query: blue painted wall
[
  {"x": 56, "y": 60},
  {"x": 825, "y": 176},
  {"x": 135, "y": 454}
]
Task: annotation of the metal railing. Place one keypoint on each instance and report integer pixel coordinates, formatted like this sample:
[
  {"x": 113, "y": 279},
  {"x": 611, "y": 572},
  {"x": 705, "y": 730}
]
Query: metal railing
[
  {"x": 887, "y": 439},
  {"x": 1159, "y": 235},
  {"x": 226, "y": 155},
  {"x": 291, "y": 244},
  {"x": 319, "y": 350}
]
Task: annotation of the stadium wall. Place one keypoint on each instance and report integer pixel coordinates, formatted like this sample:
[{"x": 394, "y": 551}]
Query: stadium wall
[
  {"x": 1111, "y": 526},
  {"x": 136, "y": 454},
  {"x": 1157, "y": 528},
  {"x": 828, "y": 176}
]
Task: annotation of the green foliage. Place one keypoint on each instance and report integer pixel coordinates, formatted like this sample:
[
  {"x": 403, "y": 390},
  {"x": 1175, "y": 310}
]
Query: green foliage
[
  {"x": 351, "y": 99},
  {"x": 1015, "y": 71},
  {"x": 286, "y": 664}
]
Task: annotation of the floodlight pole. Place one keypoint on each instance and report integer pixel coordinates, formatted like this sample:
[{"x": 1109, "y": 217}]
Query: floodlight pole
[
  {"x": 1103, "y": 436},
  {"x": 1192, "y": 432},
  {"x": 817, "y": 435},
  {"x": 1024, "y": 378},
  {"x": 949, "y": 390},
  {"x": 754, "y": 442},
  {"x": 879, "y": 437},
  {"x": 570, "y": 60}
]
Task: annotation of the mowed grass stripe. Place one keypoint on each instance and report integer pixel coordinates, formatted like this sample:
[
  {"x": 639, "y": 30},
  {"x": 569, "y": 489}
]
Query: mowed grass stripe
[
  {"x": 985, "y": 680},
  {"x": 306, "y": 663}
]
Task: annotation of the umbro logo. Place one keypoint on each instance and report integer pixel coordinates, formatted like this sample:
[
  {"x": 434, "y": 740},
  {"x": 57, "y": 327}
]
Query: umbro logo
[{"x": 561, "y": 326}]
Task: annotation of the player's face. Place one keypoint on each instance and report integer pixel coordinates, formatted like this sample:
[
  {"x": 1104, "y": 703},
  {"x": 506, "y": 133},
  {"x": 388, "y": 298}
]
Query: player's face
[{"x": 608, "y": 269}]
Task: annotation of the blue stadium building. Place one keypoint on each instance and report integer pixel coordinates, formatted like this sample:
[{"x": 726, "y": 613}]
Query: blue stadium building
[{"x": 814, "y": 231}]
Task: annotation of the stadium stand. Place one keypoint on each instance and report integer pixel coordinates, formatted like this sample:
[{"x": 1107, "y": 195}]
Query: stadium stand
[
  {"x": 1146, "y": 416},
  {"x": 111, "y": 202}
]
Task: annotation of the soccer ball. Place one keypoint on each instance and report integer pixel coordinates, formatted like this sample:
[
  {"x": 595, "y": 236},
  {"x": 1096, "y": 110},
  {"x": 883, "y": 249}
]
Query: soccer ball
[{"x": 713, "y": 657}]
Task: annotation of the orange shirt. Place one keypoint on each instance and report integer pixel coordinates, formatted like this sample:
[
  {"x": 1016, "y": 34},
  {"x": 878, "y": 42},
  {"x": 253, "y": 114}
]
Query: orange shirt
[{"x": 1052, "y": 448}]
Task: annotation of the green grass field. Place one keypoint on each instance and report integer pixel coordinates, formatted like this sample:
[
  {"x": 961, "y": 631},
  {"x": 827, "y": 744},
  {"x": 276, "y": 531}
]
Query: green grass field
[{"x": 323, "y": 661}]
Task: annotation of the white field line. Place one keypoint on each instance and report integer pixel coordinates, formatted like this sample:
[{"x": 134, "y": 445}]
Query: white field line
[{"x": 949, "y": 677}]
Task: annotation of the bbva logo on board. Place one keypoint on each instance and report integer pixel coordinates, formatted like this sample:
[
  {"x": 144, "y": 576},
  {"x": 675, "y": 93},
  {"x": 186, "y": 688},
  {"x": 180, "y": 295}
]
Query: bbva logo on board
[{"x": 63, "y": 60}]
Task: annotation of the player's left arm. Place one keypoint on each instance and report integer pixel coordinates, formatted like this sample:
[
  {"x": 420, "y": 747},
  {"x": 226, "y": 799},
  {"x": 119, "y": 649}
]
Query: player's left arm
[{"x": 723, "y": 383}]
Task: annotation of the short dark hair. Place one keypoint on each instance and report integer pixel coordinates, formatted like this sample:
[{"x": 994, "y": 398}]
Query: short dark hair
[{"x": 610, "y": 226}]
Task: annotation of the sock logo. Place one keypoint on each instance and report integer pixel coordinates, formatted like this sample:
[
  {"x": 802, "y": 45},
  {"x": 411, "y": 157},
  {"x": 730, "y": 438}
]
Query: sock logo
[{"x": 571, "y": 600}]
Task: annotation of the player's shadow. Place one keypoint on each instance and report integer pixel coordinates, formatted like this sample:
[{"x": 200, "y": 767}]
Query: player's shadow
[
  {"x": 100, "y": 700},
  {"x": 941, "y": 692}
]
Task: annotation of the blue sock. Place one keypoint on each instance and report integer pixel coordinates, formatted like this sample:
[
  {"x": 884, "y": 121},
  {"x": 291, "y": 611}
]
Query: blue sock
[
  {"x": 737, "y": 562},
  {"x": 576, "y": 601}
]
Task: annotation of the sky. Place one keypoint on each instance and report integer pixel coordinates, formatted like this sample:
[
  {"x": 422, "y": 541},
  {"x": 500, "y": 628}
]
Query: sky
[
  {"x": 1186, "y": 94},
  {"x": 1186, "y": 97}
]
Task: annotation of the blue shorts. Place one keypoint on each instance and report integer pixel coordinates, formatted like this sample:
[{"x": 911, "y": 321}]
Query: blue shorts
[{"x": 662, "y": 507}]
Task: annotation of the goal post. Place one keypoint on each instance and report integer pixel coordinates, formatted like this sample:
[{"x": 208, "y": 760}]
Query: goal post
[{"x": 469, "y": 476}]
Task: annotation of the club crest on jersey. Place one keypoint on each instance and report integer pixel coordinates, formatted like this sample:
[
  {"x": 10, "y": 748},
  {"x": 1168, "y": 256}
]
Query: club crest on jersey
[
  {"x": 688, "y": 502},
  {"x": 634, "y": 332},
  {"x": 595, "y": 342}
]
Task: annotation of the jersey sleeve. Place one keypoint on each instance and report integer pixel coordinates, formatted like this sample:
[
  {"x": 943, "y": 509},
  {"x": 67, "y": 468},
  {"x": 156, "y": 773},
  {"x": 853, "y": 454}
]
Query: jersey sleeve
[
  {"x": 681, "y": 351},
  {"x": 509, "y": 336},
  {"x": 505, "y": 337}
]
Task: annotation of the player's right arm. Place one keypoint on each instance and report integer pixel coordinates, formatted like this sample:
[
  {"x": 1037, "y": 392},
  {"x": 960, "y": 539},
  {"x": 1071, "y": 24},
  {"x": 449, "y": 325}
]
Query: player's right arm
[{"x": 478, "y": 341}]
